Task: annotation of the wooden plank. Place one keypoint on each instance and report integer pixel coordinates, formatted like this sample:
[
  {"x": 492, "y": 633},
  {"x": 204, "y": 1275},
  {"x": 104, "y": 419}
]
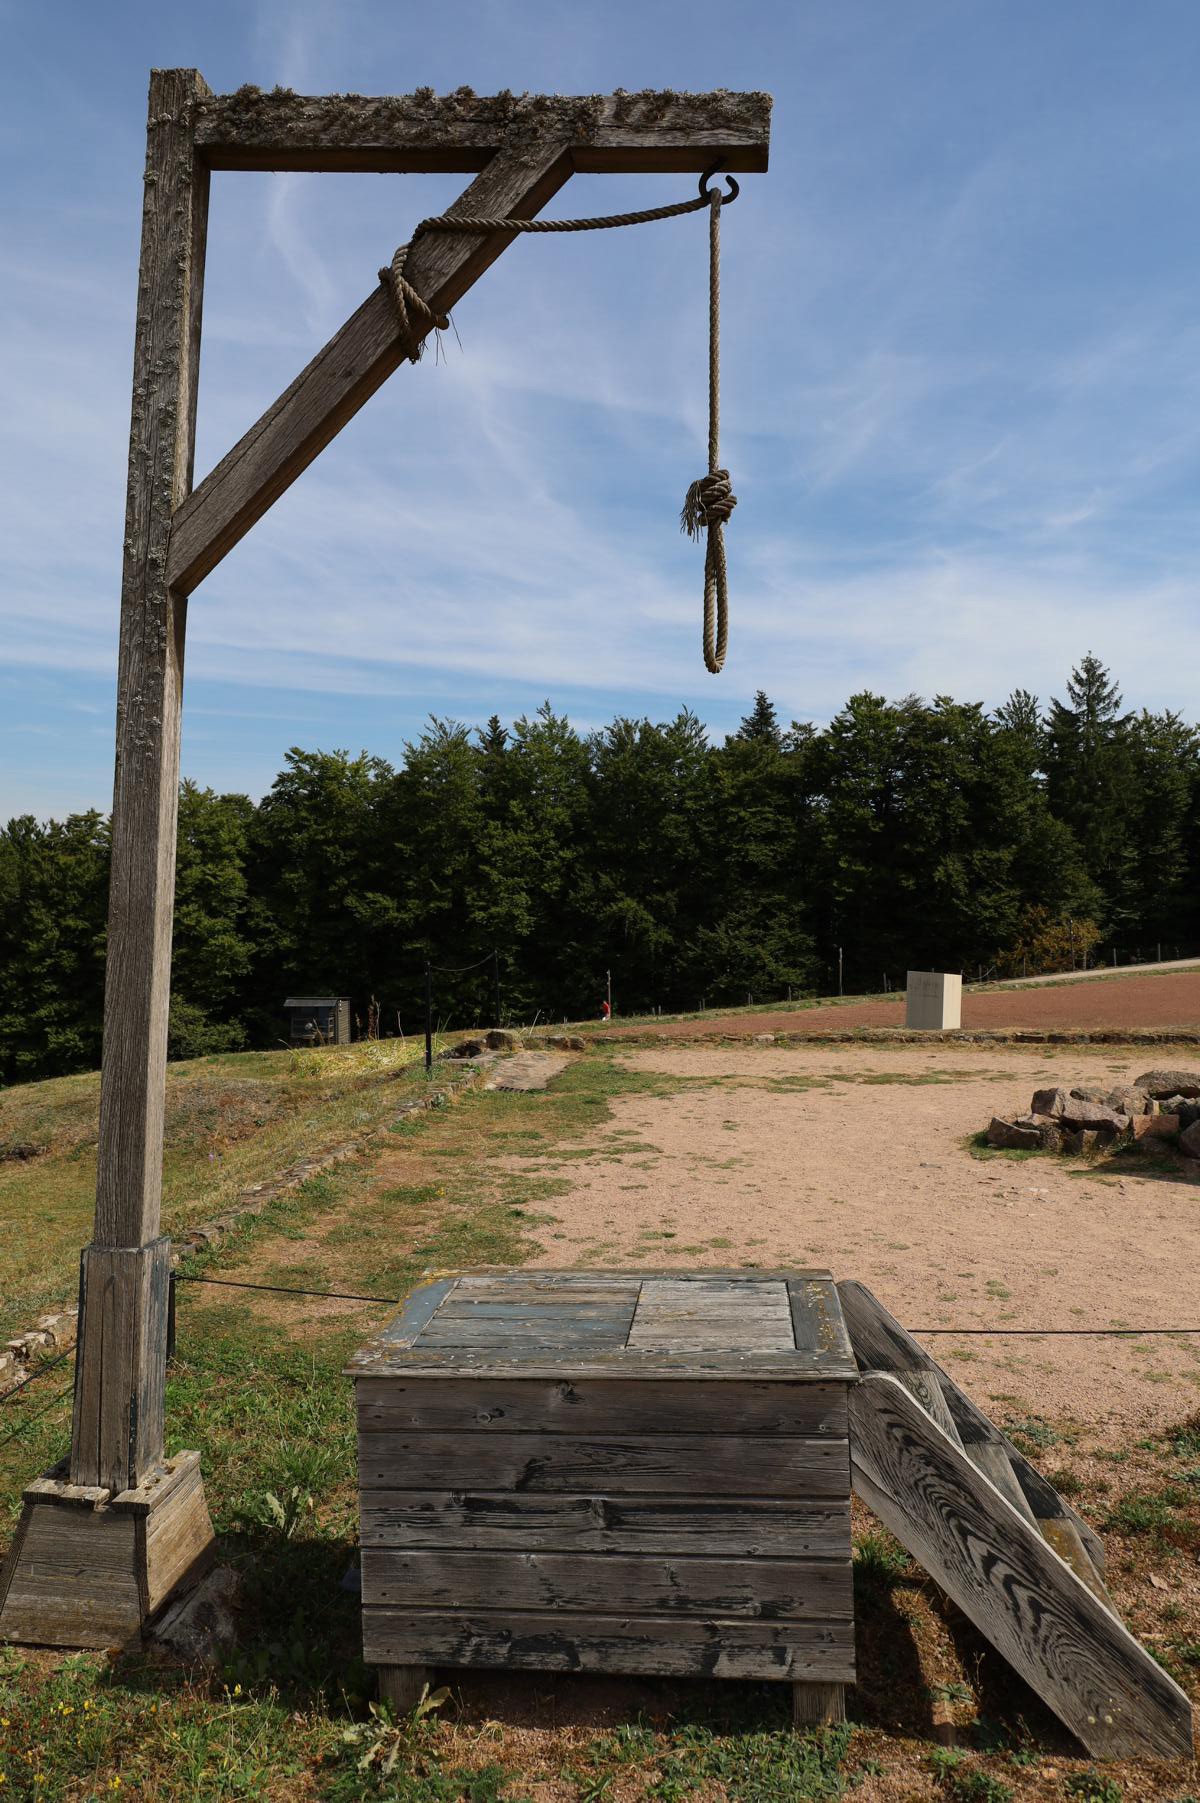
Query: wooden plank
[
  {"x": 742, "y": 1527},
  {"x": 120, "y": 1365},
  {"x": 663, "y": 1464},
  {"x": 607, "y": 1583},
  {"x": 403, "y": 1686},
  {"x": 176, "y": 1545},
  {"x": 73, "y": 1581},
  {"x": 712, "y": 1315},
  {"x": 669, "y": 1647},
  {"x": 818, "y": 1327},
  {"x": 996, "y": 1566},
  {"x": 145, "y": 802},
  {"x": 527, "y": 1360},
  {"x": 879, "y": 1337},
  {"x": 357, "y": 360},
  {"x": 417, "y": 1312},
  {"x": 882, "y": 1344},
  {"x": 646, "y": 132},
  {"x": 483, "y": 1405}
]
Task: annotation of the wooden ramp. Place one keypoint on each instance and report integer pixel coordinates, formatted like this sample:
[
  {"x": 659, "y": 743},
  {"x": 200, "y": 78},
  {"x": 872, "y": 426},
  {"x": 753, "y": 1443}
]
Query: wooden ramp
[{"x": 1002, "y": 1543}]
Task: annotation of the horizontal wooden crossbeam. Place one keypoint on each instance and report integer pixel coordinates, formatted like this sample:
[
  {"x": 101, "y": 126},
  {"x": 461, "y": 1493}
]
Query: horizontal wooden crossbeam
[
  {"x": 637, "y": 133},
  {"x": 542, "y": 141}
]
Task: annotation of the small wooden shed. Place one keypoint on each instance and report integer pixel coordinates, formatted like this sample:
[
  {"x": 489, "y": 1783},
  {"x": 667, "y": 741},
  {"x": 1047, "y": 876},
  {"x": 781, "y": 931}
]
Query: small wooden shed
[
  {"x": 319, "y": 1019},
  {"x": 610, "y": 1472}
]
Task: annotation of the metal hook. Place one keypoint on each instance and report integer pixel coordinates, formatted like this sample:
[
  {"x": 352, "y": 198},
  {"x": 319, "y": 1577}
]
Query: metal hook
[{"x": 731, "y": 188}]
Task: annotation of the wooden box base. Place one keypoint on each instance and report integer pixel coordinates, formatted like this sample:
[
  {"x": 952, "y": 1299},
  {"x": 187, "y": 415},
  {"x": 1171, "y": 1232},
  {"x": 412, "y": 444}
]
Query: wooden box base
[{"x": 90, "y": 1569}]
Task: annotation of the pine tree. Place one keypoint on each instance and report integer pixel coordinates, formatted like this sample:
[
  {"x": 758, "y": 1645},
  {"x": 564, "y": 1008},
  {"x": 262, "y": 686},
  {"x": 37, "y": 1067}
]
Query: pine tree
[{"x": 761, "y": 722}]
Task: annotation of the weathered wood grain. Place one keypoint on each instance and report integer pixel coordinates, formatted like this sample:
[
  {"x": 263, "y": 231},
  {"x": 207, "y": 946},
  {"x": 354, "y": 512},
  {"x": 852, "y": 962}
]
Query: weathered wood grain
[
  {"x": 357, "y": 360},
  {"x": 883, "y": 1344},
  {"x": 818, "y": 1327},
  {"x": 607, "y": 1583},
  {"x": 644, "y": 132},
  {"x": 150, "y": 669},
  {"x": 818, "y": 1705},
  {"x": 117, "y": 1433},
  {"x": 997, "y": 1567},
  {"x": 87, "y": 1569},
  {"x": 737, "y": 1527},
  {"x": 120, "y": 1364},
  {"x": 751, "y": 1465},
  {"x": 668, "y": 1646},
  {"x": 679, "y": 1315},
  {"x": 734, "y": 1325},
  {"x": 403, "y": 1686},
  {"x": 483, "y": 1405}
]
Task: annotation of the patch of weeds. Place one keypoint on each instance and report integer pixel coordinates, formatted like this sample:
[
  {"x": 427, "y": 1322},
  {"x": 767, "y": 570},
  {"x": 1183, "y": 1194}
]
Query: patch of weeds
[
  {"x": 1093, "y": 1787},
  {"x": 753, "y": 1767},
  {"x": 966, "y": 1786},
  {"x": 880, "y": 1563},
  {"x": 999, "y": 1290},
  {"x": 1065, "y": 1482},
  {"x": 1035, "y": 1435},
  {"x": 977, "y": 1145},
  {"x": 1142, "y": 1512}
]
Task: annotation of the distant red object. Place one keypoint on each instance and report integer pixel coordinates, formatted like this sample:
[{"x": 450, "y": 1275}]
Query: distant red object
[{"x": 605, "y": 1012}]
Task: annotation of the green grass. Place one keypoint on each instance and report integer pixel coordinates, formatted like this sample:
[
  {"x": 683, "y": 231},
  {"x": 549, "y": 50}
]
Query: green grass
[{"x": 231, "y": 1121}]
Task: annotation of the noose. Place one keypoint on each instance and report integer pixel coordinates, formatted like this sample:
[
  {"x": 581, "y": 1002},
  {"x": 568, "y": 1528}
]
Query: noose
[{"x": 710, "y": 500}]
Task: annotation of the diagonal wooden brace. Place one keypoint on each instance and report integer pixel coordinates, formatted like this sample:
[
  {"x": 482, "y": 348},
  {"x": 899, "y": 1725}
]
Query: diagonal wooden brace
[{"x": 357, "y": 360}]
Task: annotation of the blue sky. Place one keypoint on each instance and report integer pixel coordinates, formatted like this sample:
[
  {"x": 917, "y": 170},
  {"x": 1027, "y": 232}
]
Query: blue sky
[{"x": 961, "y": 393}]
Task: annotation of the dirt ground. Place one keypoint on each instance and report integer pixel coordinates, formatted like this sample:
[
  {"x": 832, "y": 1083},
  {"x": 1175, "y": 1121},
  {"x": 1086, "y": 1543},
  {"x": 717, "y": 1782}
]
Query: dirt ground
[
  {"x": 1171, "y": 999},
  {"x": 853, "y": 1158}
]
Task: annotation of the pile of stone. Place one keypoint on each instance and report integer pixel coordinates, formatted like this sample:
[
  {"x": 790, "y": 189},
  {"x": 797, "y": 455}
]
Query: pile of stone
[{"x": 1158, "y": 1112}]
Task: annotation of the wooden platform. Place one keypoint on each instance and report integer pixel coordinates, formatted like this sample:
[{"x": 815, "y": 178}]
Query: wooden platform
[{"x": 614, "y": 1472}]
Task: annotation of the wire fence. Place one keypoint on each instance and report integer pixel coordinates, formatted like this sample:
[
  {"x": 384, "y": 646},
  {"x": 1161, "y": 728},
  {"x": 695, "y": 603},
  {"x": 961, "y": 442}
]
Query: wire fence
[{"x": 279, "y": 1289}]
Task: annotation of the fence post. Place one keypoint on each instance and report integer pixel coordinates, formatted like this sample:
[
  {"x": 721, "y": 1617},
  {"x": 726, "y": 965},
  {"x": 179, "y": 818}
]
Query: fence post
[
  {"x": 839, "y": 970},
  {"x": 496, "y": 988},
  {"x": 428, "y": 1016}
]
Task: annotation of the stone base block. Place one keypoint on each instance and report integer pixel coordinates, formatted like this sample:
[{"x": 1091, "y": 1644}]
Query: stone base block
[{"x": 90, "y": 1569}]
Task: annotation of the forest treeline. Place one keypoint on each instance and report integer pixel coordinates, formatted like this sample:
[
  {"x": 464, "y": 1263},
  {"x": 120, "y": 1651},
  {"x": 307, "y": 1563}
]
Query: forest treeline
[{"x": 910, "y": 834}]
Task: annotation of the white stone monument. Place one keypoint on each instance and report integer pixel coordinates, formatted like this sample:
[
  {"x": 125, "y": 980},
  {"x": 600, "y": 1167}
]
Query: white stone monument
[{"x": 933, "y": 1000}]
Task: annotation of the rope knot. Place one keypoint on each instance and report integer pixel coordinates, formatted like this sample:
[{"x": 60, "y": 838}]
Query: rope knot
[
  {"x": 408, "y": 302},
  {"x": 709, "y": 502}
]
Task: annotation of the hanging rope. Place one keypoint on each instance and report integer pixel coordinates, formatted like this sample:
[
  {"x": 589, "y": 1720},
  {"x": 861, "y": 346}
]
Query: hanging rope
[{"x": 710, "y": 500}]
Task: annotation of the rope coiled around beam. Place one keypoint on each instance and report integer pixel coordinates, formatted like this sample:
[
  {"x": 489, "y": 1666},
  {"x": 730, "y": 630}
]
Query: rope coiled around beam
[{"x": 710, "y": 500}]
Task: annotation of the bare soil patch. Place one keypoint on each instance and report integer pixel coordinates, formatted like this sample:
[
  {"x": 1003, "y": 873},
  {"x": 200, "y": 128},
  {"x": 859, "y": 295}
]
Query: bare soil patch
[
  {"x": 1158, "y": 1003},
  {"x": 858, "y": 1159}
]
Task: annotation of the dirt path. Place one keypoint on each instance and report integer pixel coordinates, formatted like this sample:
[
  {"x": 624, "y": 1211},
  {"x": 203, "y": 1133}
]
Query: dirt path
[
  {"x": 1171, "y": 999},
  {"x": 852, "y": 1158}
]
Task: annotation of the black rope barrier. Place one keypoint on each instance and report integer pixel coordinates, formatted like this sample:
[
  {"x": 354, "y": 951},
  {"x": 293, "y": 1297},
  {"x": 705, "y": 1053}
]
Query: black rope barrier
[
  {"x": 28, "y": 1422},
  {"x": 34, "y": 1375}
]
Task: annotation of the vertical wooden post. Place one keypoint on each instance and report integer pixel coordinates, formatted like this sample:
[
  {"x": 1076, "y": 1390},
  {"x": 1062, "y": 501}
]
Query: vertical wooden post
[{"x": 118, "y": 1426}]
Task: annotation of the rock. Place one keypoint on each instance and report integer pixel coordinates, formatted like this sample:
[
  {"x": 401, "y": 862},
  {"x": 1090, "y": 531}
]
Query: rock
[
  {"x": 1156, "y": 1126},
  {"x": 1190, "y": 1168},
  {"x": 1048, "y": 1101},
  {"x": 1088, "y": 1095},
  {"x": 1094, "y": 1114},
  {"x": 1153, "y": 1147},
  {"x": 1189, "y": 1140},
  {"x": 1160, "y": 1084},
  {"x": 1012, "y": 1137},
  {"x": 1185, "y": 1111},
  {"x": 567, "y": 1042},
  {"x": 1048, "y": 1130},
  {"x": 466, "y": 1048},
  {"x": 763, "y": 1039},
  {"x": 1081, "y": 1142},
  {"x": 1126, "y": 1098},
  {"x": 203, "y": 1623},
  {"x": 501, "y": 1040}
]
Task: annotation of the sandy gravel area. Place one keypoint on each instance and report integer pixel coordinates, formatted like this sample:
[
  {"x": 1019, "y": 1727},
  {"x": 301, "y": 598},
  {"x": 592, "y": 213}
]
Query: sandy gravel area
[
  {"x": 1171, "y": 999},
  {"x": 852, "y": 1158}
]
